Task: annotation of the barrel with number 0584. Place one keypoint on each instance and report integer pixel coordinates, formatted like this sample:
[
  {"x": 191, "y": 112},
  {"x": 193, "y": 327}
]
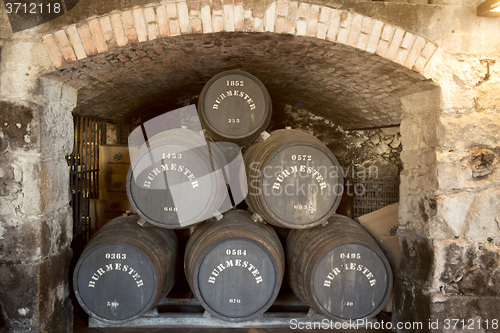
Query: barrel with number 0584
[
  {"x": 234, "y": 266},
  {"x": 125, "y": 270},
  {"x": 338, "y": 269}
]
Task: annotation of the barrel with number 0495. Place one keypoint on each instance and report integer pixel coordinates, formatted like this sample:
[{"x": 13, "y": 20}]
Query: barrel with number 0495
[{"x": 338, "y": 269}]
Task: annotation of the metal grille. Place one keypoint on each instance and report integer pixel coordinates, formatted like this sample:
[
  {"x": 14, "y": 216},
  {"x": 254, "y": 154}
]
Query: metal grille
[
  {"x": 373, "y": 194},
  {"x": 84, "y": 170}
]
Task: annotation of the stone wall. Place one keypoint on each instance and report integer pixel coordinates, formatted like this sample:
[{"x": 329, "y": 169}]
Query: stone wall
[
  {"x": 35, "y": 218},
  {"x": 356, "y": 150},
  {"x": 430, "y": 68}
]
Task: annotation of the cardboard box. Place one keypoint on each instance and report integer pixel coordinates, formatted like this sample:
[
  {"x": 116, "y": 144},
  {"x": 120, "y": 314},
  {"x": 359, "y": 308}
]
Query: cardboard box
[
  {"x": 112, "y": 186},
  {"x": 114, "y": 159},
  {"x": 383, "y": 225},
  {"x": 102, "y": 211}
]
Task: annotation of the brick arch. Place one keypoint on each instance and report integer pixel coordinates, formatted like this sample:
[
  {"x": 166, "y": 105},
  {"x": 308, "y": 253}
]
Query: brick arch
[{"x": 100, "y": 34}]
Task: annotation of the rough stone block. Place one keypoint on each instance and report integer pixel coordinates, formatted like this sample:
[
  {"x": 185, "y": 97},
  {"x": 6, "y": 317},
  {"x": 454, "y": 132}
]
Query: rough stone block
[
  {"x": 479, "y": 316},
  {"x": 464, "y": 267},
  {"x": 48, "y": 309},
  {"x": 488, "y": 96},
  {"x": 452, "y": 211},
  {"x": 483, "y": 216},
  {"x": 18, "y": 126}
]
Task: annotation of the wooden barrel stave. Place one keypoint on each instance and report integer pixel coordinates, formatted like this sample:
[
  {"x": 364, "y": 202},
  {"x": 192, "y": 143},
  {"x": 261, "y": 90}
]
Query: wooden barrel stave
[
  {"x": 125, "y": 270},
  {"x": 339, "y": 270},
  {"x": 299, "y": 193},
  {"x": 234, "y": 292},
  {"x": 234, "y": 106}
]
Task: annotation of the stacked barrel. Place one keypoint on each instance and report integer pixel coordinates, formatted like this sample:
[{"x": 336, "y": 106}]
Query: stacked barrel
[{"x": 234, "y": 261}]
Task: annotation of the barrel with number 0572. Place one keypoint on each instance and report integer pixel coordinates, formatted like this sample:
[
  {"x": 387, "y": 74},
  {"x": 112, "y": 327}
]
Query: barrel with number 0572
[
  {"x": 294, "y": 180},
  {"x": 234, "y": 266},
  {"x": 125, "y": 270},
  {"x": 338, "y": 269}
]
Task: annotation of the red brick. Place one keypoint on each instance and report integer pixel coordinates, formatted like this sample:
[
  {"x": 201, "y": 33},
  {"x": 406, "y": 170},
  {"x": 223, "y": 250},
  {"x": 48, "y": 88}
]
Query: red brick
[
  {"x": 61, "y": 38},
  {"x": 173, "y": 25},
  {"x": 322, "y": 30},
  {"x": 217, "y": 7},
  {"x": 280, "y": 26},
  {"x": 415, "y": 51},
  {"x": 239, "y": 15},
  {"x": 183, "y": 14},
  {"x": 131, "y": 35},
  {"x": 171, "y": 11},
  {"x": 282, "y": 8},
  {"x": 355, "y": 30},
  {"x": 206, "y": 18},
  {"x": 312, "y": 24},
  {"x": 395, "y": 44},
  {"x": 140, "y": 25},
  {"x": 270, "y": 19},
  {"x": 366, "y": 26},
  {"x": 374, "y": 38},
  {"x": 324, "y": 15},
  {"x": 53, "y": 50},
  {"x": 259, "y": 8},
  {"x": 76, "y": 42},
  {"x": 119, "y": 32},
  {"x": 128, "y": 19},
  {"x": 196, "y": 25},
  {"x": 88, "y": 42},
  {"x": 428, "y": 50},
  {"x": 301, "y": 27},
  {"x": 194, "y": 8},
  {"x": 163, "y": 27},
  {"x": 95, "y": 29},
  {"x": 217, "y": 23},
  {"x": 303, "y": 11},
  {"x": 228, "y": 11}
]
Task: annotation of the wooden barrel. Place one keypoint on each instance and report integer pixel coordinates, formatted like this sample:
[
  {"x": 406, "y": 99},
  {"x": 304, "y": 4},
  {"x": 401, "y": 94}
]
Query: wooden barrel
[
  {"x": 125, "y": 270},
  {"x": 294, "y": 180},
  {"x": 338, "y": 269},
  {"x": 234, "y": 266},
  {"x": 176, "y": 179},
  {"x": 234, "y": 106}
]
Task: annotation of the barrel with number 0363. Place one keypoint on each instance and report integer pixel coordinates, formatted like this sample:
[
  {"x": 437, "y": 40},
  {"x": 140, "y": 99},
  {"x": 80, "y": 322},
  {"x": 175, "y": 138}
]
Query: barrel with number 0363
[
  {"x": 338, "y": 269},
  {"x": 234, "y": 266},
  {"x": 125, "y": 270}
]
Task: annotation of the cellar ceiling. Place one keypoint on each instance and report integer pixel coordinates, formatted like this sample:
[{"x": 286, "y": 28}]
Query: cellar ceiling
[{"x": 349, "y": 87}]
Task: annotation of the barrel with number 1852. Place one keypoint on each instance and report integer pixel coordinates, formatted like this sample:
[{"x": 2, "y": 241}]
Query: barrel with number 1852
[{"x": 234, "y": 106}]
